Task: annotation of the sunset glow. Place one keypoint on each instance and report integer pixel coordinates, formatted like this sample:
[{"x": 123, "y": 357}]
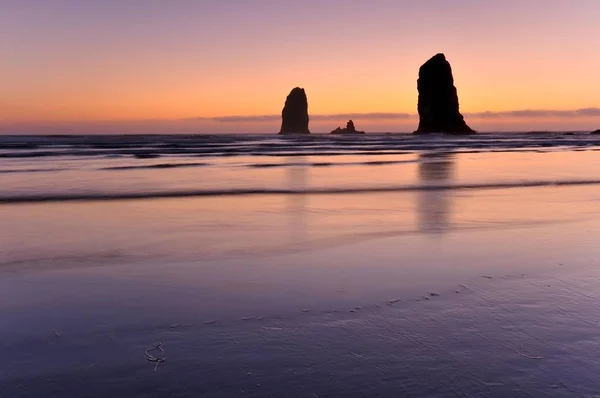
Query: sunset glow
[{"x": 141, "y": 66}]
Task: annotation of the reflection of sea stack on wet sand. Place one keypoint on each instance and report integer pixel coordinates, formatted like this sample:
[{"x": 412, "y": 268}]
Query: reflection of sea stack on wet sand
[
  {"x": 434, "y": 206},
  {"x": 294, "y": 117},
  {"x": 438, "y": 100},
  {"x": 349, "y": 129}
]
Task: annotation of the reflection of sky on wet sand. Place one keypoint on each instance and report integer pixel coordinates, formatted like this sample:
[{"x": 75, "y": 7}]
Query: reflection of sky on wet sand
[
  {"x": 225, "y": 225},
  {"x": 258, "y": 255},
  {"x": 297, "y": 204}
]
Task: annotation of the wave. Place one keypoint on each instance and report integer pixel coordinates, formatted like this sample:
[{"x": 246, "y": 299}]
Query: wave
[
  {"x": 327, "y": 164},
  {"x": 156, "y": 166},
  {"x": 69, "y": 197},
  {"x": 10, "y": 171},
  {"x": 153, "y": 146}
]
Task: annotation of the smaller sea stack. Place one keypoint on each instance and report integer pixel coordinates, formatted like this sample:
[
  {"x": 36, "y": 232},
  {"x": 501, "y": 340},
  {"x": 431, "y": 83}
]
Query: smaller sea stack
[
  {"x": 294, "y": 117},
  {"x": 438, "y": 100},
  {"x": 349, "y": 129},
  {"x": 595, "y": 132}
]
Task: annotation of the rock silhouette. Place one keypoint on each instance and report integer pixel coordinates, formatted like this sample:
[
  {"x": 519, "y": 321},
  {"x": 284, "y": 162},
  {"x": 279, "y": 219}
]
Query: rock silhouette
[
  {"x": 349, "y": 129},
  {"x": 595, "y": 132},
  {"x": 294, "y": 116},
  {"x": 438, "y": 100}
]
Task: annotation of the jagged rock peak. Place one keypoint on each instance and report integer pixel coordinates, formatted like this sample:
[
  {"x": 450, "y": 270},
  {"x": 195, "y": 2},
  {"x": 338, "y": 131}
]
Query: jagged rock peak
[
  {"x": 349, "y": 129},
  {"x": 294, "y": 116},
  {"x": 438, "y": 99}
]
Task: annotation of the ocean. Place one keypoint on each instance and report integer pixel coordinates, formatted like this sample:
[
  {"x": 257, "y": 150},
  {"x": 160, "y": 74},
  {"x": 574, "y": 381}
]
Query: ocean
[
  {"x": 57, "y": 168},
  {"x": 383, "y": 265}
]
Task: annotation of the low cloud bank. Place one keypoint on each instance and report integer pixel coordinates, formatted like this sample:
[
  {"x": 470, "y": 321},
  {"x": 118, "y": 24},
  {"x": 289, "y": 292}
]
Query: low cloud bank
[{"x": 522, "y": 113}]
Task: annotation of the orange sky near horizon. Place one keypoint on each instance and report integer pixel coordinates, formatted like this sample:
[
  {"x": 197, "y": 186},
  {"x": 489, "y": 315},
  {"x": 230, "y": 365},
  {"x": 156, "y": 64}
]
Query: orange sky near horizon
[{"x": 86, "y": 62}]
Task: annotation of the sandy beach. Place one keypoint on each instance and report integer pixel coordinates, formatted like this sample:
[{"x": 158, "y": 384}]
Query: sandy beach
[{"x": 487, "y": 292}]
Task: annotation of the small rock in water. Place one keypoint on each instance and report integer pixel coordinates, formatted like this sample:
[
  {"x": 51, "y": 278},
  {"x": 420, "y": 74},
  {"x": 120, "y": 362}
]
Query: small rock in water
[
  {"x": 210, "y": 322},
  {"x": 349, "y": 129},
  {"x": 434, "y": 294}
]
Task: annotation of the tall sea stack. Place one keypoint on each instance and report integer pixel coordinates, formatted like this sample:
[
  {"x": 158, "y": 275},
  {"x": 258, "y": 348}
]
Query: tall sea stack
[
  {"x": 295, "y": 113},
  {"x": 438, "y": 100}
]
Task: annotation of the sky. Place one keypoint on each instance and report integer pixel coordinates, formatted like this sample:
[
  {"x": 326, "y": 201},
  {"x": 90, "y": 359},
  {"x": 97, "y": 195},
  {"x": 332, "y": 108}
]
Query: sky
[{"x": 212, "y": 66}]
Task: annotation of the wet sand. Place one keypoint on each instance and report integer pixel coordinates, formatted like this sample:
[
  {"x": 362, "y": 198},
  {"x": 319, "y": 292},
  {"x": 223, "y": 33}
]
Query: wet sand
[
  {"x": 487, "y": 293},
  {"x": 494, "y": 336},
  {"x": 490, "y": 291}
]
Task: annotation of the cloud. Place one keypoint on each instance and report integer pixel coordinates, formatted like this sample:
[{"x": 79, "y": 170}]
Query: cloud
[
  {"x": 241, "y": 119},
  {"x": 522, "y": 113},
  {"x": 336, "y": 116},
  {"x": 364, "y": 116},
  {"x": 536, "y": 113}
]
